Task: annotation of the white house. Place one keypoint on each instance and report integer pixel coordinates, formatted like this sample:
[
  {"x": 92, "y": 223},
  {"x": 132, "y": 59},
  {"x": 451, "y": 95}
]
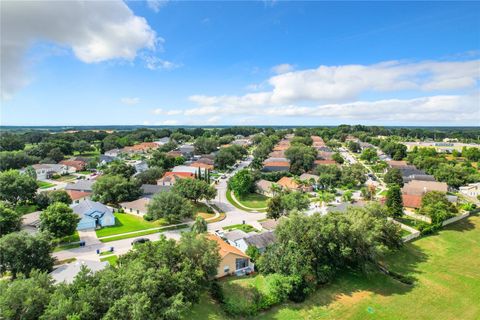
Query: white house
[
  {"x": 113, "y": 153},
  {"x": 193, "y": 170},
  {"x": 46, "y": 171},
  {"x": 471, "y": 190}
]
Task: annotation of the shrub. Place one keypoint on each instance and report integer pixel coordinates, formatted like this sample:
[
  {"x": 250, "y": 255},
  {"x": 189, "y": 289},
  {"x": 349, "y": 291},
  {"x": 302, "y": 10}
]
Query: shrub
[{"x": 216, "y": 291}]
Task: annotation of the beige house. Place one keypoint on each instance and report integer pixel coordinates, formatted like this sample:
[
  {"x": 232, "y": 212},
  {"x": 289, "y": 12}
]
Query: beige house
[
  {"x": 233, "y": 260},
  {"x": 419, "y": 187},
  {"x": 136, "y": 207},
  {"x": 264, "y": 187}
]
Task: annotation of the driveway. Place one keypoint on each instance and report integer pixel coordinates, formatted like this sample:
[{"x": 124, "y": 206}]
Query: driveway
[{"x": 89, "y": 236}]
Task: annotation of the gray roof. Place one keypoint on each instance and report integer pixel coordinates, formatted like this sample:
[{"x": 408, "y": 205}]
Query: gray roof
[
  {"x": 31, "y": 219},
  {"x": 235, "y": 235},
  {"x": 67, "y": 272},
  {"x": 422, "y": 177},
  {"x": 106, "y": 158},
  {"x": 269, "y": 224},
  {"x": 91, "y": 208},
  {"x": 153, "y": 188},
  {"x": 261, "y": 240},
  {"x": 81, "y": 185},
  {"x": 409, "y": 170}
]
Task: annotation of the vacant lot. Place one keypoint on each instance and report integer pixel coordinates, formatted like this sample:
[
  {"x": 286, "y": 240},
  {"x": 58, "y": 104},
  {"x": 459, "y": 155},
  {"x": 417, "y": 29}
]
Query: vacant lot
[
  {"x": 127, "y": 223},
  {"x": 447, "y": 286}
]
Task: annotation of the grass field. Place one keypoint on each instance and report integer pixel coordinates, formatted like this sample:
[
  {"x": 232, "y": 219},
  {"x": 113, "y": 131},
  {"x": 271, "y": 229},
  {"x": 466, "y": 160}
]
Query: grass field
[
  {"x": 125, "y": 222},
  {"x": 44, "y": 184},
  {"x": 234, "y": 203},
  {"x": 244, "y": 227},
  {"x": 254, "y": 200},
  {"x": 447, "y": 286},
  {"x": 111, "y": 259},
  {"x": 143, "y": 233}
]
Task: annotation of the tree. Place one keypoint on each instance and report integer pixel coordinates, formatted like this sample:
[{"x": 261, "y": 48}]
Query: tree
[
  {"x": 170, "y": 206},
  {"x": 253, "y": 253},
  {"x": 16, "y": 187},
  {"x": 224, "y": 159},
  {"x": 150, "y": 176},
  {"x": 26, "y": 298},
  {"x": 199, "y": 226},
  {"x": 353, "y": 175},
  {"x": 30, "y": 171},
  {"x": 347, "y": 196},
  {"x": 82, "y": 146},
  {"x": 436, "y": 206},
  {"x": 56, "y": 155},
  {"x": 301, "y": 158},
  {"x": 368, "y": 192},
  {"x": 59, "y": 196},
  {"x": 115, "y": 189},
  {"x": 295, "y": 200},
  {"x": 21, "y": 252},
  {"x": 369, "y": 155},
  {"x": 205, "y": 145},
  {"x": 353, "y": 146},
  {"x": 59, "y": 220},
  {"x": 242, "y": 183},
  {"x": 194, "y": 189},
  {"x": 329, "y": 176},
  {"x": 337, "y": 157},
  {"x": 10, "y": 221},
  {"x": 275, "y": 208},
  {"x": 393, "y": 176},
  {"x": 11, "y": 142},
  {"x": 394, "y": 201},
  {"x": 314, "y": 248},
  {"x": 120, "y": 168}
]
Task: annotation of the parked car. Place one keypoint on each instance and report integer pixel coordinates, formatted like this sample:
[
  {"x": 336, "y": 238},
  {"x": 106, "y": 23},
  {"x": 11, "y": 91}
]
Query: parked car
[
  {"x": 140, "y": 240},
  {"x": 223, "y": 176}
]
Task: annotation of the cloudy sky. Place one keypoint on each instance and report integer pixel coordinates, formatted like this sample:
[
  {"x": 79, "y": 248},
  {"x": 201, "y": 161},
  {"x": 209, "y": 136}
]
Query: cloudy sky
[{"x": 239, "y": 63}]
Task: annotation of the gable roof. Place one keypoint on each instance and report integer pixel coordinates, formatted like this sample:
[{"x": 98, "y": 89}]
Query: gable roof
[
  {"x": 308, "y": 176},
  {"x": 77, "y": 164},
  {"x": 149, "y": 189},
  {"x": 261, "y": 240},
  {"x": 269, "y": 224},
  {"x": 139, "y": 204},
  {"x": 91, "y": 209},
  {"x": 81, "y": 185},
  {"x": 264, "y": 185},
  {"x": 277, "y": 164},
  {"x": 288, "y": 182},
  {"x": 75, "y": 194},
  {"x": 235, "y": 235},
  {"x": 412, "y": 201},
  {"x": 224, "y": 248},
  {"x": 419, "y": 187}
]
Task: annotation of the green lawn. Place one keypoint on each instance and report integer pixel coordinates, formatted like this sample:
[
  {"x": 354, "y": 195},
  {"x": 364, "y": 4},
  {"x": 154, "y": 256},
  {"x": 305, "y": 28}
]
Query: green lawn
[
  {"x": 234, "y": 203},
  {"x": 111, "y": 259},
  {"x": 447, "y": 286},
  {"x": 25, "y": 208},
  {"x": 409, "y": 221},
  {"x": 66, "y": 242},
  {"x": 202, "y": 210},
  {"x": 254, "y": 200},
  {"x": 125, "y": 222},
  {"x": 84, "y": 172},
  {"x": 244, "y": 227},
  {"x": 143, "y": 233},
  {"x": 67, "y": 177},
  {"x": 44, "y": 184}
]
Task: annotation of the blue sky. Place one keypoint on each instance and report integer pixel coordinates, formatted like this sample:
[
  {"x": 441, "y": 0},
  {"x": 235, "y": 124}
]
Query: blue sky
[{"x": 240, "y": 63}]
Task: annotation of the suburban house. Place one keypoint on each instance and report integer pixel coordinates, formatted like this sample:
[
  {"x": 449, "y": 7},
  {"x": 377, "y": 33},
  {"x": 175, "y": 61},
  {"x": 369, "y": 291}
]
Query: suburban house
[
  {"x": 193, "y": 170},
  {"x": 310, "y": 178},
  {"x": 169, "y": 178},
  {"x": 46, "y": 171},
  {"x": 233, "y": 261},
  {"x": 78, "y": 196},
  {"x": 174, "y": 154},
  {"x": 269, "y": 224},
  {"x": 77, "y": 164},
  {"x": 419, "y": 187},
  {"x": 31, "y": 221},
  {"x": 81, "y": 185},
  {"x": 471, "y": 190},
  {"x": 162, "y": 141},
  {"x": 277, "y": 154},
  {"x": 422, "y": 177},
  {"x": 136, "y": 207},
  {"x": 276, "y": 166},
  {"x": 258, "y": 240},
  {"x": 186, "y": 150},
  {"x": 288, "y": 183},
  {"x": 67, "y": 272},
  {"x": 104, "y": 159},
  {"x": 201, "y": 165},
  {"x": 264, "y": 187},
  {"x": 143, "y": 147},
  {"x": 139, "y": 165},
  {"x": 271, "y": 159},
  {"x": 323, "y": 162},
  {"x": 114, "y": 153},
  {"x": 149, "y": 190},
  {"x": 411, "y": 201},
  {"x": 93, "y": 214}
]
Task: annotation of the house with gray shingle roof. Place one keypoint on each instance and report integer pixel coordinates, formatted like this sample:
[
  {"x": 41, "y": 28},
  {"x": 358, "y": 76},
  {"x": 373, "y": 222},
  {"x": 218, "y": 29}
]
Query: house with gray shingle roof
[{"x": 93, "y": 214}]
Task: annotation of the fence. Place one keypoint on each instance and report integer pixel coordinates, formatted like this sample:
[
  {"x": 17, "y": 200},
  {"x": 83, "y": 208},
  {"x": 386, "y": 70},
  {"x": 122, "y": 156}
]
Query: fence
[
  {"x": 417, "y": 216},
  {"x": 456, "y": 218}
]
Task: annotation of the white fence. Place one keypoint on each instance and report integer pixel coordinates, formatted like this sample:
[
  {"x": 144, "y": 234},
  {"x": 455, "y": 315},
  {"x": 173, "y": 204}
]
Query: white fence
[
  {"x": 456, "y": 218},
  {"x": 414, "y": 233},
  {"x": 417, "y": 216}
]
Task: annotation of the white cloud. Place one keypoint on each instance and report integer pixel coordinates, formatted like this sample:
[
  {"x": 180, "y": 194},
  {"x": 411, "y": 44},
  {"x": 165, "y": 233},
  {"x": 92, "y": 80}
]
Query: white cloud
[
  {"x": 446, "y": 108},
  {"x": 213, "y": 120},
  {"x": 169, "y": 122},
  {"x": 156, "y": 63},
  {"x": 282, "y": 68},
  {"x": 130, "y": 101},
  {"x": 160, "y": 111},
  {"x": 95, "y": 31},
  {"x": 327, "y": 84},
  {"x": 156, "y": 5}
]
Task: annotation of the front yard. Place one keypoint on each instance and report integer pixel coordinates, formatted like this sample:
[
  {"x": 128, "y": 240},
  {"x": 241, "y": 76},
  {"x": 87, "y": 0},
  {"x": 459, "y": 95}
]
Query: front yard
[
  {"x": 67, "y": 177},
  {"x": 45, "y": 184},
  {"x": 254, "y": 200},
  {"x": 125, "y": 222},
  {"x": 244, "y": 227}
]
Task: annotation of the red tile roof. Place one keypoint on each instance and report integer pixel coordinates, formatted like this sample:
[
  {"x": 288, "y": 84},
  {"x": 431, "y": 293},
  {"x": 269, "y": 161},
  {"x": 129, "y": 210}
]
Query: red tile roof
[
  {"x": 277, "y": 164},
  {"x": 411, "y": 201},
  {"x": 75, "y": 195},
  {"x": 224, "y": 248},
  {"x": 319, "y": 162},
  {"x": 77, "y": 164}
]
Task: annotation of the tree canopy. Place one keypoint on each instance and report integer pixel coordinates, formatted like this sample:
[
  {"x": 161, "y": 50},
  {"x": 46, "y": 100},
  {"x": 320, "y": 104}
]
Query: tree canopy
[
  {"x": 16, "y": 187},
  {"x": 242, "y": 183},
  {"x": 170, "y": 206},
  {"x": 10, "y": 220},
  {"x": 59, "y": 220},
  {"x": 115, "y": 189},
  {"x": 194, "y": 189}
]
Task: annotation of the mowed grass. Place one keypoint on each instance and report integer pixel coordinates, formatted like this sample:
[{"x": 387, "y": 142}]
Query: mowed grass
[
  {"x": 254, "y": 200},
  {"x": 125, "y": 222},
  {"x": 45, "y": 185},
  {"x": 447, "y": 285}
]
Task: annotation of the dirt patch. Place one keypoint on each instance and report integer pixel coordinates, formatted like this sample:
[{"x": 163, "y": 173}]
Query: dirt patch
[{"x": 352, "y": 299}]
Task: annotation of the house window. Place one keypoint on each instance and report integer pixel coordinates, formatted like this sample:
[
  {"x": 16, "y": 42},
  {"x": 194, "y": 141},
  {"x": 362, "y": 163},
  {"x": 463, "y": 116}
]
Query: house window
[
  {"x": 226, "y": 269},
  {"x": 241, "y": 263}
]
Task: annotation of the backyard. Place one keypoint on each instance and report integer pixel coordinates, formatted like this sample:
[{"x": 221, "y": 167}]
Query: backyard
[
  {"x": 128, "y": 223},
  {"x": 444, "y": 267}
]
